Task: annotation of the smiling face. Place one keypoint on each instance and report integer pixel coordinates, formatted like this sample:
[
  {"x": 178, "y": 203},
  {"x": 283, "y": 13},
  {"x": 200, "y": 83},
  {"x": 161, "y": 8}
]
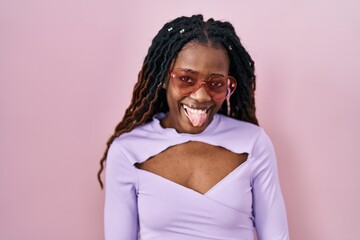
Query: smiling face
[{"x": 193, "y": 113}]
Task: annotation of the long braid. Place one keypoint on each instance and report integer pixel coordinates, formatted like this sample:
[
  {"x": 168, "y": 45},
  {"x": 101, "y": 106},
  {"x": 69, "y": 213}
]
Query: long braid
[
  {"x": 149, "y": 97},
  {"x": 241, "y": 67}
]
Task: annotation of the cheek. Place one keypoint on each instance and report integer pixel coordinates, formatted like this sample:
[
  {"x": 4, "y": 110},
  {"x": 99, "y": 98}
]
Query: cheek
[{"x": 172, "y": 97}]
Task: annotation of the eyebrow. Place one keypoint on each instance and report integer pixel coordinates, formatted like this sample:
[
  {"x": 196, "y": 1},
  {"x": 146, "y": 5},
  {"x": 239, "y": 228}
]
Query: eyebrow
[
  {"x": 188, "y": 70},
  {"x": 197, "y": 72}
]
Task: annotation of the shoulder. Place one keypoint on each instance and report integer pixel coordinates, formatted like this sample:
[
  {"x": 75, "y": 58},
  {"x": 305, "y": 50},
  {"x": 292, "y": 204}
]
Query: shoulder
[
  {"x": 137, "y": 133},
  {"x": 237, "y": 128},
  {"x": 140, "y": 143},
  {"x": 235, "y": 124},
  {"x": 236, "y": 135}
]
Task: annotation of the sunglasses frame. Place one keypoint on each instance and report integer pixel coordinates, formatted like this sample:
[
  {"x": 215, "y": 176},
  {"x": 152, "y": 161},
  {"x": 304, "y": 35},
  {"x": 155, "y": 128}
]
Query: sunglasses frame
[{"x": 174, "y": 74}]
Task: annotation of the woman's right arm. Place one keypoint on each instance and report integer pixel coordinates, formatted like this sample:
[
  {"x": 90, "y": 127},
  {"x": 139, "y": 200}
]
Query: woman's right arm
[{"x": 120, "y": 215}]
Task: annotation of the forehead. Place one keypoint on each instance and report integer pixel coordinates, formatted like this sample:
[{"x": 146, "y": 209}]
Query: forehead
[{"x": 203, "y": 58}]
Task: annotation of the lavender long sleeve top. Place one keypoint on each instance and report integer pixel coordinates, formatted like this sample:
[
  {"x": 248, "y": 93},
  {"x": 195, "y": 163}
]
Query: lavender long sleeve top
[{"x": 142, "y": 205}]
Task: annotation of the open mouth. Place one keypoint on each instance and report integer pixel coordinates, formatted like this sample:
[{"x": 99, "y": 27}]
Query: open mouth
[{"x": 196, "y": 116}]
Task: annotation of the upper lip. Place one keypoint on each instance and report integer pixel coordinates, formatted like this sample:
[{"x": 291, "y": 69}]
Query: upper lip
[{"x": 198, "y": 107}]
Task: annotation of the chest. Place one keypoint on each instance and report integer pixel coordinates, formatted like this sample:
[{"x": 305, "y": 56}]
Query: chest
[{"x": 195, "y": 165}]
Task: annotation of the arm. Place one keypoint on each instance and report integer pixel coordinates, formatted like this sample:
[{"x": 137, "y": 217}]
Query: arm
[
  {"x": 120, "y": 215},
  {"x": 268, "y": 204}
]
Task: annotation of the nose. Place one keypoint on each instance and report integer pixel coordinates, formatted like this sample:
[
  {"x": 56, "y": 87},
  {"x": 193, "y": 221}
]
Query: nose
[{"x": 201, "y": 94}]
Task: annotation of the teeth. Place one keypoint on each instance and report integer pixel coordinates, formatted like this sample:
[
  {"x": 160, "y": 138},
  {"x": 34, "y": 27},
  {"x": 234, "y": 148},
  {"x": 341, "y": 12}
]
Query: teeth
[{"x": 195, "y": 111}]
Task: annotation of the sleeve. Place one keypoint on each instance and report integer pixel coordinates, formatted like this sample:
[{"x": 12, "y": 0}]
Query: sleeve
[
  {"x": 268, "y": 204},
  {"x": 120, "y": 211}
]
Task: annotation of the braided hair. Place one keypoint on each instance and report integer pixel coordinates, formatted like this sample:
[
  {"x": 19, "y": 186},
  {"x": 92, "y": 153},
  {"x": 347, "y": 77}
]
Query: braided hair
[{"x": 149, "y": 97}]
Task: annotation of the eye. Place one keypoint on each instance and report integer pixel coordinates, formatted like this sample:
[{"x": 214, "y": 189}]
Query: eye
[
  {"x": 186, "y": 79},
  {"x": 216, "y": 83}
]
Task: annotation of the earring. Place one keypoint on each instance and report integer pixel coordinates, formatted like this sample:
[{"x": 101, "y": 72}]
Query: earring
[
  {"x": 164, "y": 85},
  {"x": 228, "y": 106}
]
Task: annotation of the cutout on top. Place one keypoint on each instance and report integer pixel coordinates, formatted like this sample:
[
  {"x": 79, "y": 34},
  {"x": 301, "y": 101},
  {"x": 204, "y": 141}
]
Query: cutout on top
[{"x": 194, "y": 165}]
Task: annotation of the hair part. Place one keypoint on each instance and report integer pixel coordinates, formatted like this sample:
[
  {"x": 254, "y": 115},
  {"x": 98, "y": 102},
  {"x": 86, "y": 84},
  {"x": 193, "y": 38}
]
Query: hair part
[{"x": 149, "y": 97}]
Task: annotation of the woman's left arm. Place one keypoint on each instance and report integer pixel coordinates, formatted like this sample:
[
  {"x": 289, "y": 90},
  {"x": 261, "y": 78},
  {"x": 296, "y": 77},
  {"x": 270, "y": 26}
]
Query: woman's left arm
[{"x": 268, "y": 204}]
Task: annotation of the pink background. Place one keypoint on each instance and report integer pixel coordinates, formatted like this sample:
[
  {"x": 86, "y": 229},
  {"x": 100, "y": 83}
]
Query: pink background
[{"x": 67, "y": 69}]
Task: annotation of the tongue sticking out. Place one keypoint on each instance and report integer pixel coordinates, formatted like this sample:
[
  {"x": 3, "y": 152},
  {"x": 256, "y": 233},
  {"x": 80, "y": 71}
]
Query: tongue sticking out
[{"x": 197, "y": 119}]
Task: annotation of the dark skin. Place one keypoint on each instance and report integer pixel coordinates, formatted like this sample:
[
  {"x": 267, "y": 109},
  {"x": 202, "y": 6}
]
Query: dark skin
[
  {"x": 206, "y": 61},
  {"x": 195, "y": 165}
]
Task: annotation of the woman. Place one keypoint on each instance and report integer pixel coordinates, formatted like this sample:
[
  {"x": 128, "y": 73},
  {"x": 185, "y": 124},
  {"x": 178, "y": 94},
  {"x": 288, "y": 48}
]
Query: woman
[{"x": 188, "y": 160}]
